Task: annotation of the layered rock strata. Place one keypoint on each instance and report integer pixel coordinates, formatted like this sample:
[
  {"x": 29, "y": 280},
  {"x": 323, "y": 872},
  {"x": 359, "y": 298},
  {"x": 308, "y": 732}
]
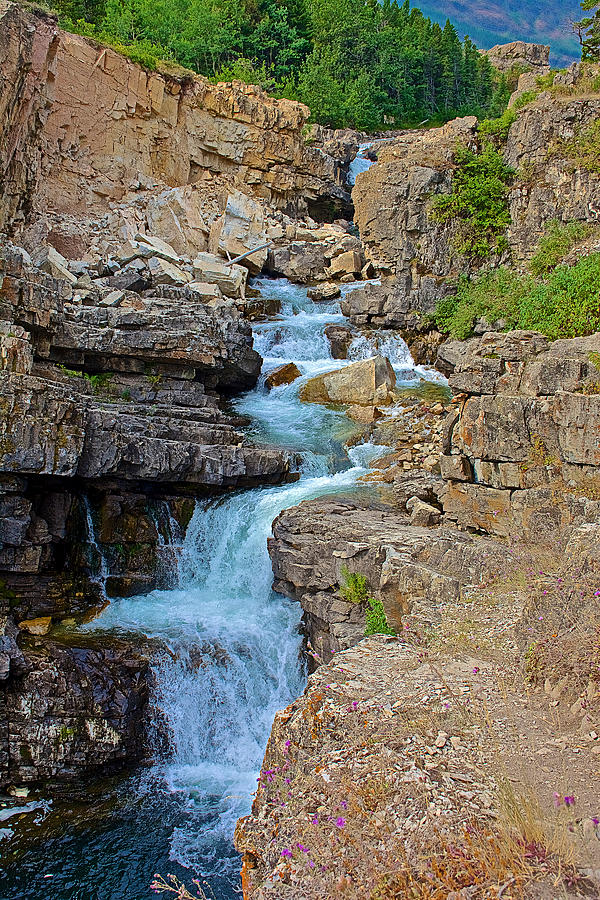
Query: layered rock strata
[
  {"x": 414, "y": 571},
  {"x": 110, "y": 426},
  {"x": 522, "y": 452},
  {"x": 83, "y": 127}
]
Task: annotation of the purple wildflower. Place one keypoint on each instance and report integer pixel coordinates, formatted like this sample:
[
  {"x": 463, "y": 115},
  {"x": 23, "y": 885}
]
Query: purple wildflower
[
  {"x": 286, "y": 852},
  {"x": 340, "y": 822},
  {"x": 570, "y": 800}
]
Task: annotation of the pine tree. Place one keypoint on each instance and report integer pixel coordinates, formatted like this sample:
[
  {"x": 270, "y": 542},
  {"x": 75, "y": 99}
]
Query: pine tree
[{"x": 590, "y": 29}]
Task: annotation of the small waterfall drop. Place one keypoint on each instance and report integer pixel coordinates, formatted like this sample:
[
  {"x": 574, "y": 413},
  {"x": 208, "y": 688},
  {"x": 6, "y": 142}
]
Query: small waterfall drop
[
  {"x": 99, "y": 564},
  {"x": 231, "y": 648}
]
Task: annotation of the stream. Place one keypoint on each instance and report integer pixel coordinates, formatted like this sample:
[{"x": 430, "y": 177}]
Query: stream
[{"x": 233, "y": 656}]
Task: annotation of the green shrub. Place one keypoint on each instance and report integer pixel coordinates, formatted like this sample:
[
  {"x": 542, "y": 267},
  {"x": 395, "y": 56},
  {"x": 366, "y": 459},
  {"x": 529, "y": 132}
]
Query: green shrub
[
  {"x": 478, "y": 202},
  {"x": 354, "y": 589},
  {"x": 556, "y": 243},
  {"x": 377, "y": 622},
  {"x": 583, "y": 149},
  {"x": 144, "y": 52},
  {"x": 565, "y": 304},
  {"x": 500, "y": 127}
]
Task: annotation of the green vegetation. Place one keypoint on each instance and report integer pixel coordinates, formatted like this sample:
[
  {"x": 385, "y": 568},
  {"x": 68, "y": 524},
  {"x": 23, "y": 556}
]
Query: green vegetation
[
  {"x": 354, "y": 62},
  {"x": 565, "y": 304},
  {"x": 590, "y": 29},
  {"x": 354, "y": 589},
  {"x": 478, "y": 202},
  {"x": 583, "y": 149},
  {"x": 556, "y": 243},
  {"x": 377, "y": 622}
]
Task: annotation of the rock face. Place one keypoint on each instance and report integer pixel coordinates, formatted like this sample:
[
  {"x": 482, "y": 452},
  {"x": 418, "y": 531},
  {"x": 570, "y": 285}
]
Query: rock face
[
  {"x": 170, "y": 131},
  {"x": 413, "y": 570},
  {"x": 114, "y": 396},
  {"x": 393, "y": 199},
  {"x": 110, "y": 426},
  {"x": 69, "y": 712},
  {"x": 362, "y": 383},
  {"x": 533, "y": 57},
  {"x": 522, "y": 452}
]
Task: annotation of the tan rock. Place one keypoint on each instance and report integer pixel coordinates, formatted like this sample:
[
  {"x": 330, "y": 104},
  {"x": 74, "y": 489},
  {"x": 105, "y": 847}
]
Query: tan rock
[
  {"x": 282, "y": 375},
  {"x": 239, "y": 229},
  {"x": 159, "y": 247},
  {"x": 51, "y": 261},
  {"x": 231, "y": 280},
  {"x": 368, "y": 382},
  {"x": 323, "y": 292},
  {"x": 164, "y": 272},
  {"x": 206, "y": 291},
  {"x": 39, "y": 626},
  {"x": 348, "y": 263},
  {"x": 364, "y": 415}
]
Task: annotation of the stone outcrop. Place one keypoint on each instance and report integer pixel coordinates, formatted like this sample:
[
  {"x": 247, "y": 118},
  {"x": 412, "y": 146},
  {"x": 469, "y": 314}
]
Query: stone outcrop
[
  {"x": 363, "y": 383},
  {"x": 69, "y": 712},
  {"x": 393, "y": 201},
  {"x": 110, "y": 426},
  {"x": 520, "y": 55},
  {"x": 83, "y": 127},
  {"x": 523, "y": 449},
  {"x": 105, "y": 397},
  {"x": 413, "y": 570}
]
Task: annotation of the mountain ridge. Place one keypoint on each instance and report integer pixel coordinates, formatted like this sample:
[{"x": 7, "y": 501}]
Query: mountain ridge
[{"x": 489, "y": 22}]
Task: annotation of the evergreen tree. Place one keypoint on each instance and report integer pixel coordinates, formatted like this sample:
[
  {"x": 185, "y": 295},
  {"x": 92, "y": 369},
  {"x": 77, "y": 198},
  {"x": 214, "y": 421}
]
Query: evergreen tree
[{"x": 590, "y": 27}]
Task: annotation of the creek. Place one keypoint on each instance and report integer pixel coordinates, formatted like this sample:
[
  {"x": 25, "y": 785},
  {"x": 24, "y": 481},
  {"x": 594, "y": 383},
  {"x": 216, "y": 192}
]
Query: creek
[{"x": 233, "y": 652}]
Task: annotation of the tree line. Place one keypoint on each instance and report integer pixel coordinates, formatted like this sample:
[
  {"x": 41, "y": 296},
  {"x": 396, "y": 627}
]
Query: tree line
[{"x": 355, "y": 63}]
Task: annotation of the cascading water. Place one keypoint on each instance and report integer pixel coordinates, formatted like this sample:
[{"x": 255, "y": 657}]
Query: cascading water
[
  {"x": 99, "y": 565},
  {"x": 232, "y": 647}
]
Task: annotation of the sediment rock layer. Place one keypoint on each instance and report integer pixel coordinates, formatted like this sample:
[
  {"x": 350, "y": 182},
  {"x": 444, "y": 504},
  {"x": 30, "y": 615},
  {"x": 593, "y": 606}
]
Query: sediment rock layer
[
  {"x": 414, "y": 571},
  {"x": 523, "y": 449},
  {"x": 82, "y": 127}
]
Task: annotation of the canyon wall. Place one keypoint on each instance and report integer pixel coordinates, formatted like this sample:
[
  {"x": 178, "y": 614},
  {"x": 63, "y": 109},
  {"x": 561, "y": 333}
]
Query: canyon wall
[
  {"x": 393, "y": 201},
  {"x": 83, "y": 128}
]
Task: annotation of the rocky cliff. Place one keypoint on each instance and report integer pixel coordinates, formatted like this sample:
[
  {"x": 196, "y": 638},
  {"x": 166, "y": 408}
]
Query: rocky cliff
[
  {"x": 393, "y": 199},
  {"x": 83, "y": 128},
  {"x": 110, "y": 426}
]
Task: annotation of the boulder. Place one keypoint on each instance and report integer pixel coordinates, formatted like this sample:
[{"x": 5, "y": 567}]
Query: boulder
[
  {"x": 348, "y": 263},
  {"x": 340, "y": 337},
  {"x": 282, "y": 375},
  {"x": 422, "y": 514},
  {"x": 231, "y": 280},
  {"x": 181, "y": 216},
  {"x": 364, "y": 383},
  {"x": 239, "y": 229},
  {"x": 51, "y": 261},
  {"x": 324, "y": 292},
  {"x": 364, "y": 415},
  {"x": 159, "y": 247},
  {"x": 164, "y": 272},
  {"x": 205, "y": 291},
  {"x": 300, "y": 261},
  {"x": 38, "y": 626}
]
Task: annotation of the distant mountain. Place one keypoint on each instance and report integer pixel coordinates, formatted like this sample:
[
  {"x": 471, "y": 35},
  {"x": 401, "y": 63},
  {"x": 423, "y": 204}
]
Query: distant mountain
[{"x": 489, "y": 22}]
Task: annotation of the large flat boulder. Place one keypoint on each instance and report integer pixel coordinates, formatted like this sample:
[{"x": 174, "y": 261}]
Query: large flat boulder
[{"x": 363, "y": 383}]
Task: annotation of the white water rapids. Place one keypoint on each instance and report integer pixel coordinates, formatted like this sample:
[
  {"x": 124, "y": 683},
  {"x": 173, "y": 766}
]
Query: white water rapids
[{"x": 234, "y": 649}]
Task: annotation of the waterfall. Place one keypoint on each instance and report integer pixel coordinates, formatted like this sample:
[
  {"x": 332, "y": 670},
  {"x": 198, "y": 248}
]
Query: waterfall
[
  {"x": 232, "y": 653},
  {"x": 99, "y": 577}
]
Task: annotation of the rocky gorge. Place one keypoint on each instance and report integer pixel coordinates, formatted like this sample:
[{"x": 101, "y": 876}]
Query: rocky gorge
[{"x": 145, "y": 463}]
